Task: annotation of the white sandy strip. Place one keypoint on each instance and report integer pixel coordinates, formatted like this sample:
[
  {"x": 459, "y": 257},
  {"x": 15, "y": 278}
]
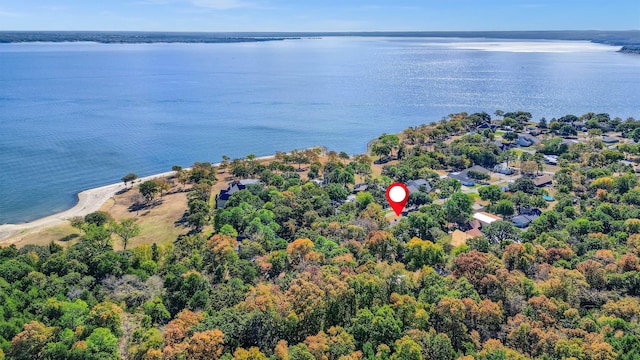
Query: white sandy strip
[{"x": 88, "y": 201}]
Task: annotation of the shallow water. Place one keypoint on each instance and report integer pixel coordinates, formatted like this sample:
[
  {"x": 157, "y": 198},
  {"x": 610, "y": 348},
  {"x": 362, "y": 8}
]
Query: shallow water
[{"x": 79, "y": 115}]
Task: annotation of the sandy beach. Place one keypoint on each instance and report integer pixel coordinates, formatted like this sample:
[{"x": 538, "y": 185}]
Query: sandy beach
[{"x": 88, "y": 201}]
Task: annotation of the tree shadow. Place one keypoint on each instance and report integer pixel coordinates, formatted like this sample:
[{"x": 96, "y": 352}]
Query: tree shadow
[
  {"x": 183, "y": 220},
  {"x": 138, "y": 206},
  {"x": 69, "y": 237}
]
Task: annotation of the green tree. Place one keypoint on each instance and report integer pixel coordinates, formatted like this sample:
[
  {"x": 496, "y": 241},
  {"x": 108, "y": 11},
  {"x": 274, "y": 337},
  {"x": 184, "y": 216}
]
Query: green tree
[
  {"x": 420, "y": 253},
  {"x": 101, "y": 344},
  {"x": 336, "y": 192},
  {"x": 505, "y": 208},
  {"x": 458, "y": 208},
  {"x": 501, "y": 230},
  {"x": 149, "y": 189},
  {"x": 407, "y": 349},
  {"x": 199, "y": 214},
  {"x": 493, "y": 193},
  {"x": 97, "y": 218},
  {"x": 129, "y": 178},
  {"x": 126, "y": 229},
  {"x": 363, "y": 199},
  {"x": 510, "y": 136}
]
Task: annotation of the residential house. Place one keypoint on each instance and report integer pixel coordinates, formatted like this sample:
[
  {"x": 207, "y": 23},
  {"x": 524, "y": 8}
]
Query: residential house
[
  {"x": 486, "y": 218},
  {"x": 525, "y": 218},
  {"x": 609, "y": 139},
  {"x": 544, "y": 180},
  {"x": 527, "y": 139},
  {"x": 360, "y": 187},
  {"x": 233, "y": 187},
  {"x": 503, "y": 169},
  {"x": 524, "y": 142},
  {"x": 463, "y": 175},
  {"x": 486, "y": 125},
  {"x": 460, "y": 238},
  {"x": 580, "y": 126},
  {"x": 474, "y": 233},
  {"x": 415, "y": 185}
]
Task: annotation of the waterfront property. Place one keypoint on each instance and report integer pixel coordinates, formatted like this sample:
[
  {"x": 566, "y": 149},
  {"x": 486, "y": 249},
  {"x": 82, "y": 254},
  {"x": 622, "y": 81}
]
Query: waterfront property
[{"x": 234, "y": 187}]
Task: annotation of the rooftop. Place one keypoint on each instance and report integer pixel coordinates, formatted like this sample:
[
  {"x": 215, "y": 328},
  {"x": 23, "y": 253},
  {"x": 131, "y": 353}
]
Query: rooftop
[
  {"x": 486, "y": 217},
  {"x": 543, "y": 180}
]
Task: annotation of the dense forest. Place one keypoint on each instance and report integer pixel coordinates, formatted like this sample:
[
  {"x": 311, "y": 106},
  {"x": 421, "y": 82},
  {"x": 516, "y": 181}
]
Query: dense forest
[{"x": 295, "y": 269}]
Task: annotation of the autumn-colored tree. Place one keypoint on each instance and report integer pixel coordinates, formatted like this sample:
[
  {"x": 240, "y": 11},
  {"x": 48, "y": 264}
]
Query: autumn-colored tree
[
  {"x": 177, "y": 328},
  {"x": 153, "y": 354},
  {"x": 629, "y": 262},
  {"x": 318, "y": 345},
  {"x": 223, "y": 248},
  {"x": 307, "y": 302},
  {"x": 341, "y": 344},
  {"x": 449, "y": 319},
  {"x": 519, "y": 257},
  {"x": 564, "y": 285},
  {"x": 252, "y": 354},
  {"x": 298, "y": 250},
  {"x": 594, "y": 273},
  {"x": 106, "y": 315},
  {"x": 205, "y": 345},
  {"x": 543, "y": 309},
  {"x": 382, "y": 244},
  {"x": 266, "y": 297},
  {"x": 489, "y": 318},
  {"x": 29, "y": 343},
  {"x": 554, "y": 254},
  {"x": 474, "y": 265},
  {"x": 626, "y": 308},
  {"x": 281, "y": 351},
  {"x": 494, "y": 349}
]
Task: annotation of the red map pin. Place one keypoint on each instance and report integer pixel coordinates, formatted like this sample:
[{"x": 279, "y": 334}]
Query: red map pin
[{"x": 397, "y": 196}]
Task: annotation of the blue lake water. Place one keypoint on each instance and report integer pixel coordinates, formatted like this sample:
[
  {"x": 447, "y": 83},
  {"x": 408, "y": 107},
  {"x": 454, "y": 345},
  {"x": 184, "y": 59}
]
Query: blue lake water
[{"x": 79, "y": 115}]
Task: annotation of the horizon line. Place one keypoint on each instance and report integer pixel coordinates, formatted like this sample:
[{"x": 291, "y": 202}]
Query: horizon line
[{"x": 325, "y": 32}]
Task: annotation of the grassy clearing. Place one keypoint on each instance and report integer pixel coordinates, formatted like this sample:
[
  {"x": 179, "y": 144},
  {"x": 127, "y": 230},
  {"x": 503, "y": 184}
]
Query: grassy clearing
[{"x": 64, "y": 235}]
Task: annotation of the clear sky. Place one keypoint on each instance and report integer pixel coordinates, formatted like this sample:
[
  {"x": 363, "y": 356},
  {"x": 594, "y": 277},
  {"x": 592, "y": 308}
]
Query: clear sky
[{"x": 319, "y": 15}]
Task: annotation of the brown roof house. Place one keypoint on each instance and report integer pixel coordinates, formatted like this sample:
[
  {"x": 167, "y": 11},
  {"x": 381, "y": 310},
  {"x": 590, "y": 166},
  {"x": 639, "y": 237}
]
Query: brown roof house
[{"x": 544, "y": 180}]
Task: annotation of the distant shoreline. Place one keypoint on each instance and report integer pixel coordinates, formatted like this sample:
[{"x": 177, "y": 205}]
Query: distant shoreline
[{"x": 615, "y": 38}]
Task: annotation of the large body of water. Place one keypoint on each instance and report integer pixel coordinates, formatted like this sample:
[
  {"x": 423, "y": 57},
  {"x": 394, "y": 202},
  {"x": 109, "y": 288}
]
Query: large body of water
[{"x": 79, "y": 115}]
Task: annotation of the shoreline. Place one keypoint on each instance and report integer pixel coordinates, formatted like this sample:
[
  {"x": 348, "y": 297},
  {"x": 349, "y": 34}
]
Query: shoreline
[{"x": 89, "y": 201}]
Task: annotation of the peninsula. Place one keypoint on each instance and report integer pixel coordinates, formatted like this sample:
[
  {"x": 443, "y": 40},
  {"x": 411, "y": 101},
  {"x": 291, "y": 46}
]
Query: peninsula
[{"x": 520, "y": 240}]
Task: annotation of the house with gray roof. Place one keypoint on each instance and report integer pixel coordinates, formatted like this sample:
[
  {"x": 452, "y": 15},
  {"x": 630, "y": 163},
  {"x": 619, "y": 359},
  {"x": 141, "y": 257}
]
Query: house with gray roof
[
  {"x": 415, "y": 185},
  {"x": 233, "y": 188},
  {"x": 463, "y": 176}
]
